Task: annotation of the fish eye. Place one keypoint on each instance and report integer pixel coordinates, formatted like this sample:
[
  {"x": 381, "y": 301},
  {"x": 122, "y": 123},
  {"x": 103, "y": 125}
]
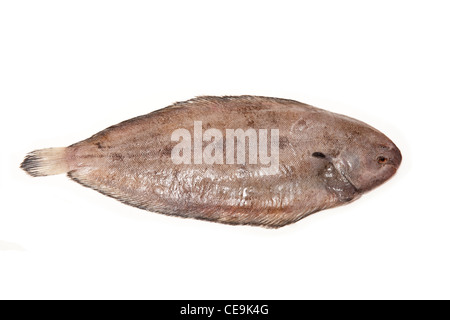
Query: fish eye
[
  {"x": 318, "y": 155},
  {"x": 382, "y": 160}
]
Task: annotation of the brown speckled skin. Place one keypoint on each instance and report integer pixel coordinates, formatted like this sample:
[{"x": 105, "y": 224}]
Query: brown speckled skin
[{"x": 131, "y": 161}]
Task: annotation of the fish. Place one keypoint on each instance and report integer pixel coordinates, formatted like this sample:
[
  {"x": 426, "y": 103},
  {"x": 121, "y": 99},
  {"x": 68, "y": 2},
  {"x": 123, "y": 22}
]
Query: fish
[{"x": 238, "y": 160}]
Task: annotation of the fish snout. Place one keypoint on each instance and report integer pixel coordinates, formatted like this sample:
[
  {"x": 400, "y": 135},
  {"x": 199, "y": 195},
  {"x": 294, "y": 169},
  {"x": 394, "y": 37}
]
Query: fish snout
[
  {"x": 391, "y": 158},
  {"x": 396, "y": 157},
  {"x": 386, "y": 165}
]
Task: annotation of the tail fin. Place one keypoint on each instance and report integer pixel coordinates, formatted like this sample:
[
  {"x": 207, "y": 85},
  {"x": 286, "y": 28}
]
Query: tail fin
[{"x": 45, "y": 162}]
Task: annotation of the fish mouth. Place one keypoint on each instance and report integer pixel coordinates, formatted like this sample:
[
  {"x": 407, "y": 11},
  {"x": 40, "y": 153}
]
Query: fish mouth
[
  {"x": 346, "y": 177},
  {"x": 337, "y": 181},
  {"x": 340, "y": 167}
]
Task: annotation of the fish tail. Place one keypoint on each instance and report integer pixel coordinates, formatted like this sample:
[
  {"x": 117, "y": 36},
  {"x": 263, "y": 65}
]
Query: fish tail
[{"x": 45, "y": 162}]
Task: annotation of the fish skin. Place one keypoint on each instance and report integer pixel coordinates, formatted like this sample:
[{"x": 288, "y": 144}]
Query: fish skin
[{"x": 326, "y": 160}]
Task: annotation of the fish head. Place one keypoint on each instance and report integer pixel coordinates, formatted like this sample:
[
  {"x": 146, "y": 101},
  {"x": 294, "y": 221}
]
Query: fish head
[{"x": 368, "y": 159}]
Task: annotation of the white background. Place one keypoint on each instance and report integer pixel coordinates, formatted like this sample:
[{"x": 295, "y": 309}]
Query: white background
[{"x": 68, "y": 69}]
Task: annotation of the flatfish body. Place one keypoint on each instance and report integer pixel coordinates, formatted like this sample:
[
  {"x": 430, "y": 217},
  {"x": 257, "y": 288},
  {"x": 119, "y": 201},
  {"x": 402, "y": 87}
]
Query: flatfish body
[{"x": 237, "y": 159}]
